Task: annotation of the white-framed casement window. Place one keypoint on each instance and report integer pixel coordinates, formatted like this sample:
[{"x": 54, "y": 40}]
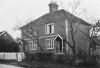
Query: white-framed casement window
[
  {"x": 49, "y": 43},
  {"x": 32, "y": 44},
  {"x": 49, "y": 28},
  {"x": 35, "y": 33}
]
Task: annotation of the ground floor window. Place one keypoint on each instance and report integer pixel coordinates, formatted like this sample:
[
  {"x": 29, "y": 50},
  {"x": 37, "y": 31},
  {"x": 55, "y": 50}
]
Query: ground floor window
[
  {"x": 49, "y": 43},
  {"x": 32, "y": 44}
]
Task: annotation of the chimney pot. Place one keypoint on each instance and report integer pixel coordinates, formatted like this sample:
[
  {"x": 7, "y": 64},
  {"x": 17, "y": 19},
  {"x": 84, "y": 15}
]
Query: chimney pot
[{"x": 53, "y": 7}]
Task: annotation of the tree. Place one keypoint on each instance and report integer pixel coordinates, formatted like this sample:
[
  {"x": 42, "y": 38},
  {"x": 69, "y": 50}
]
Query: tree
[
  {"x": 75, "y": 6},
  {"x": 73, "y": 44},
  {"x": 6, "y": 46},
  {"x": 95, "y": 36}
]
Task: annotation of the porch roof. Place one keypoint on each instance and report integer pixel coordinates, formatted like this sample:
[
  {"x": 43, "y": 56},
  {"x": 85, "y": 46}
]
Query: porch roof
[{"x": 51, "y": 37}]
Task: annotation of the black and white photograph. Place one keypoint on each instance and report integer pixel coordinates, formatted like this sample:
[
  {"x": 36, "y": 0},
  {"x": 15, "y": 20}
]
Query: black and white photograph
[{"x": 49, "y": 34}]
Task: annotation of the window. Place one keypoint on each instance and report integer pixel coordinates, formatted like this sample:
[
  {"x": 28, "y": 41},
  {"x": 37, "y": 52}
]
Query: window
[
  {"x": 32, "y": 44},
  {"x": 35, "y": 33},
  {"x": 49, "y": 43},
  {"x": 50, "y": 28}
]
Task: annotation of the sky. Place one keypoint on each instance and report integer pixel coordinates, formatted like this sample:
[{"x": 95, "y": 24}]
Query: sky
[{"x": 16, "y": 13}]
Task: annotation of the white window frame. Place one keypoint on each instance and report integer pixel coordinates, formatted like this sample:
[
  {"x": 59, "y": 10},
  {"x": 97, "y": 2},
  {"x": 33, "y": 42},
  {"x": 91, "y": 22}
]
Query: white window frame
[
  {"x": 47, "y": 29},
  {"x": 50, "y": 44},
  {"x": 34, "y": 47},
  {"x": 35, "y": 33},
  {"x": 31, "y": 47}
]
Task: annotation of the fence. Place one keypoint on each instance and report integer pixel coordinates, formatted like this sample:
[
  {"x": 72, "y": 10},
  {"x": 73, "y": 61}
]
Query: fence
[{"x": 19, "y": 56}]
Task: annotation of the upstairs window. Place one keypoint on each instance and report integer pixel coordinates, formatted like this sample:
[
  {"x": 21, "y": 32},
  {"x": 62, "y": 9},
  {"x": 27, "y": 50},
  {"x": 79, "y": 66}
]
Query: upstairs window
[{"x": 49, "y": 28}]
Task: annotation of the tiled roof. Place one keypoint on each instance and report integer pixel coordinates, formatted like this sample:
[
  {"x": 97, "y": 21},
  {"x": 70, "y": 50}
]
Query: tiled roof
[{"x": 61, "y": 13}]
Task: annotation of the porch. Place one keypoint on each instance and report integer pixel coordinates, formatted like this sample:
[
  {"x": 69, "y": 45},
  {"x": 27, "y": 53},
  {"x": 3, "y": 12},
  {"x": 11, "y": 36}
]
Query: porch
[{"x": 52, "y": 44}]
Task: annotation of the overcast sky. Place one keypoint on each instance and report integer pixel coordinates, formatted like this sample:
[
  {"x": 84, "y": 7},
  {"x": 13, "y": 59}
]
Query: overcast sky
[{"x": 18, "y": 12}]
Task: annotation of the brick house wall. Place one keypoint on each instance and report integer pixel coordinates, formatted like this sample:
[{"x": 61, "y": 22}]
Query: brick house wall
[{"x": 62, "y": 20}]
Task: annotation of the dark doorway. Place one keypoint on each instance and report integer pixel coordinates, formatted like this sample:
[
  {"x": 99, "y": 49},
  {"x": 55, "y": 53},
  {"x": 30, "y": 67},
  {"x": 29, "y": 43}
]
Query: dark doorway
[{"x": 59, "y": 46}]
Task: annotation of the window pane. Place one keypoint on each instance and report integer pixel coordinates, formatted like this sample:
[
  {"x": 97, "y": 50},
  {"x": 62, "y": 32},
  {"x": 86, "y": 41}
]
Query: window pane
[
  {"x": 49, "y": 43},
  {"x": 50, "y": 28},
  {"x": 30, "y": 43},
  {"x": 35, "y": 44}
]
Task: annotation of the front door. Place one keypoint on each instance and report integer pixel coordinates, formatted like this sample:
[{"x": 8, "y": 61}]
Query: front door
[{"x": 59, "y": 47}]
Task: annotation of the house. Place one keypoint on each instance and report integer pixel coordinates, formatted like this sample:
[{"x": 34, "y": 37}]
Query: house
[{"x": 48, "y": 32}]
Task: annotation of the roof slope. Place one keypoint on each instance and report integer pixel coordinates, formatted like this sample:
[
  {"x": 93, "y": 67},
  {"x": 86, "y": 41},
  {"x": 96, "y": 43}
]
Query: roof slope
[{"x": 60, "y": 13}]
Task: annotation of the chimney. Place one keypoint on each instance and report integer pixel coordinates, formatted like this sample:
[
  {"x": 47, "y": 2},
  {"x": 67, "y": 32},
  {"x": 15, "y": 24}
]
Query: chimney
[{"x": 53, "y": 7}]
